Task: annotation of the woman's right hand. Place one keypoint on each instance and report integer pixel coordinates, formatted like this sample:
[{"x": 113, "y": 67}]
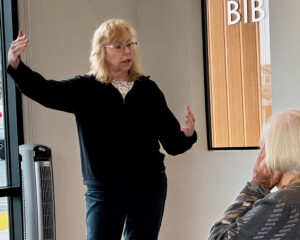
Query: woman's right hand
[
  {"x": 262, "y": 174},
  {"x": 17, "y": 47}
]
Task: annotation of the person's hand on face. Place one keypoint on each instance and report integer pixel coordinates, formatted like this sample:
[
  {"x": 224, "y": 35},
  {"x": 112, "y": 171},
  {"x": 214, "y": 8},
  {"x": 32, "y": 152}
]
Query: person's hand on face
[
  {"x": 189, "y": 127},
  {"x": 16, "y": 49},
  {"x": 262, "y": 174}
]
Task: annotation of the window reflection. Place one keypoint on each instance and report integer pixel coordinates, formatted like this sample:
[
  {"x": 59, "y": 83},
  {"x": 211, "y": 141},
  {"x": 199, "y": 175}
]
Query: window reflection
[
  {"x": 4, "y": 233},
  {"x": 3, "y": 181}
]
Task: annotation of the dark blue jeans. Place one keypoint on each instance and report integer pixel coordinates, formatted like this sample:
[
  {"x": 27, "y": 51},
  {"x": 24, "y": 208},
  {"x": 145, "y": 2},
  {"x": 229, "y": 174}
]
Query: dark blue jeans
[{"x": 140, "y": 205}]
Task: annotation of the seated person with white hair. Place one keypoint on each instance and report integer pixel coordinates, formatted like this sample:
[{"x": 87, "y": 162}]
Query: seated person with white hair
[{"x": 258, "y": 213}]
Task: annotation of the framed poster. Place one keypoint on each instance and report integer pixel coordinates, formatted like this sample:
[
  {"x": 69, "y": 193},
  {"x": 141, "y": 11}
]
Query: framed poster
[{"x": 237, "y": 71}]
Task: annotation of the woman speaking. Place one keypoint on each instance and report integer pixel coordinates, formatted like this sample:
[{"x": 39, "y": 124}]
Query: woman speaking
[{"x": 121, "y": 117}]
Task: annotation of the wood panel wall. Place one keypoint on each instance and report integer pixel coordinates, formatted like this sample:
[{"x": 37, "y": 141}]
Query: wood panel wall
[{"x": 240, "y": 102}]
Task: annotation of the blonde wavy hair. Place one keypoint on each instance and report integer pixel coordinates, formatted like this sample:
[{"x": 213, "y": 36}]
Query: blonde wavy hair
[
  {"x": 281, "y": 136},
  {"x": 110, "y": 32}
]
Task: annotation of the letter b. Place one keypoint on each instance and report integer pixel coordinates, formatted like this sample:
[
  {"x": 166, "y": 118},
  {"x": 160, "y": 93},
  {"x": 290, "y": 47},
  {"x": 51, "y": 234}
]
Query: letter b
[
  {"x": 233, "y": 11},
  {"x": 258, "y": 9}
]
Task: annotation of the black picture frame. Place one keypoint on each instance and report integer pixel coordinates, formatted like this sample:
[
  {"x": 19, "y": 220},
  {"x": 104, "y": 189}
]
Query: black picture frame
[{"x": 206, "y": 85}]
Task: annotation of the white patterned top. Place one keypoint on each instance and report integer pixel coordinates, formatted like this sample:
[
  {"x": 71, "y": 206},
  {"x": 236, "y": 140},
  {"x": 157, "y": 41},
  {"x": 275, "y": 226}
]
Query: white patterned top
[{"x": 123, "y": 86}]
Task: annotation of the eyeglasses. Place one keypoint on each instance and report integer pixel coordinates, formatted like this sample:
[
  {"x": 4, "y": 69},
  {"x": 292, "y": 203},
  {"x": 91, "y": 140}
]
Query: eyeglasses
[{"x": 121, "y": 47}]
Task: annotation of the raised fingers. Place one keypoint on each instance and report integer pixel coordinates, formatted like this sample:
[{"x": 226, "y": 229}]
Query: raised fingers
[
  {"x": 19, "y": 45},
  {"x": 20, "y": 51},
  {"x": 190, "y": 115},
  {"x": 19, "y": 48},
  {"x": 20, "y": 41},
  {"x": 189, "y": 120}
]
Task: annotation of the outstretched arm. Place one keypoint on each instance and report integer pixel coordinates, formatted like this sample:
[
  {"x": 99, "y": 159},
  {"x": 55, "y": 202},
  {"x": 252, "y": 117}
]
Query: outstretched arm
[{"x": 59, "y": 95}]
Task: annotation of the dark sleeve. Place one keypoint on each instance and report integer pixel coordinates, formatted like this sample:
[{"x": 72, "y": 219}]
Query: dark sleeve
[
  {"x": 59, "y": 95},
  {"x": 252, "y": 216},
  {"x": 171, "y": 137}
]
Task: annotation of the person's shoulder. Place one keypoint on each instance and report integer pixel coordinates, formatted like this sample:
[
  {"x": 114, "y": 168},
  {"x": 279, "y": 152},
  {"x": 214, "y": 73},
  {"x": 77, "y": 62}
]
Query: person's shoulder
[
  {"x": 146, "y": 81},
  {"x": 274, "y": 201},
  {"x": 86, "y": 82},
  {"x": 84, "y": 79},
  {"x": 289, "y": 195}
]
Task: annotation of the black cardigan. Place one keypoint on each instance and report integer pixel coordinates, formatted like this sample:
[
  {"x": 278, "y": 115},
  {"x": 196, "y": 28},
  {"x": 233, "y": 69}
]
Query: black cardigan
[{"x": 119, "y": 139}]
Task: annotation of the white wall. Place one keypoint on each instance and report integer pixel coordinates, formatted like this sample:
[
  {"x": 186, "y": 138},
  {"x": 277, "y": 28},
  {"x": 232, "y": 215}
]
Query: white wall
[
  {"x": 285, "y": 54},
  {"x": 201, "y": 183}
]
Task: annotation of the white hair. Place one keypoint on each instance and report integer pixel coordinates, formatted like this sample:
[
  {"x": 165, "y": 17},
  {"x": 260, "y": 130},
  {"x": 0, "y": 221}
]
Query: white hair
[{"x": 281, "y": 135}]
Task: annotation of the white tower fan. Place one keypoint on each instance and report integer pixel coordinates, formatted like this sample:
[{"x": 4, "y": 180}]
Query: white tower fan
[{"x": 37, "y": 192}]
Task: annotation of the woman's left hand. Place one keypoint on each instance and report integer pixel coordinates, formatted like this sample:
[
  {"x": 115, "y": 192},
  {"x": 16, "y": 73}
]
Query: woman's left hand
[{"x": 189, "y": 127}]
